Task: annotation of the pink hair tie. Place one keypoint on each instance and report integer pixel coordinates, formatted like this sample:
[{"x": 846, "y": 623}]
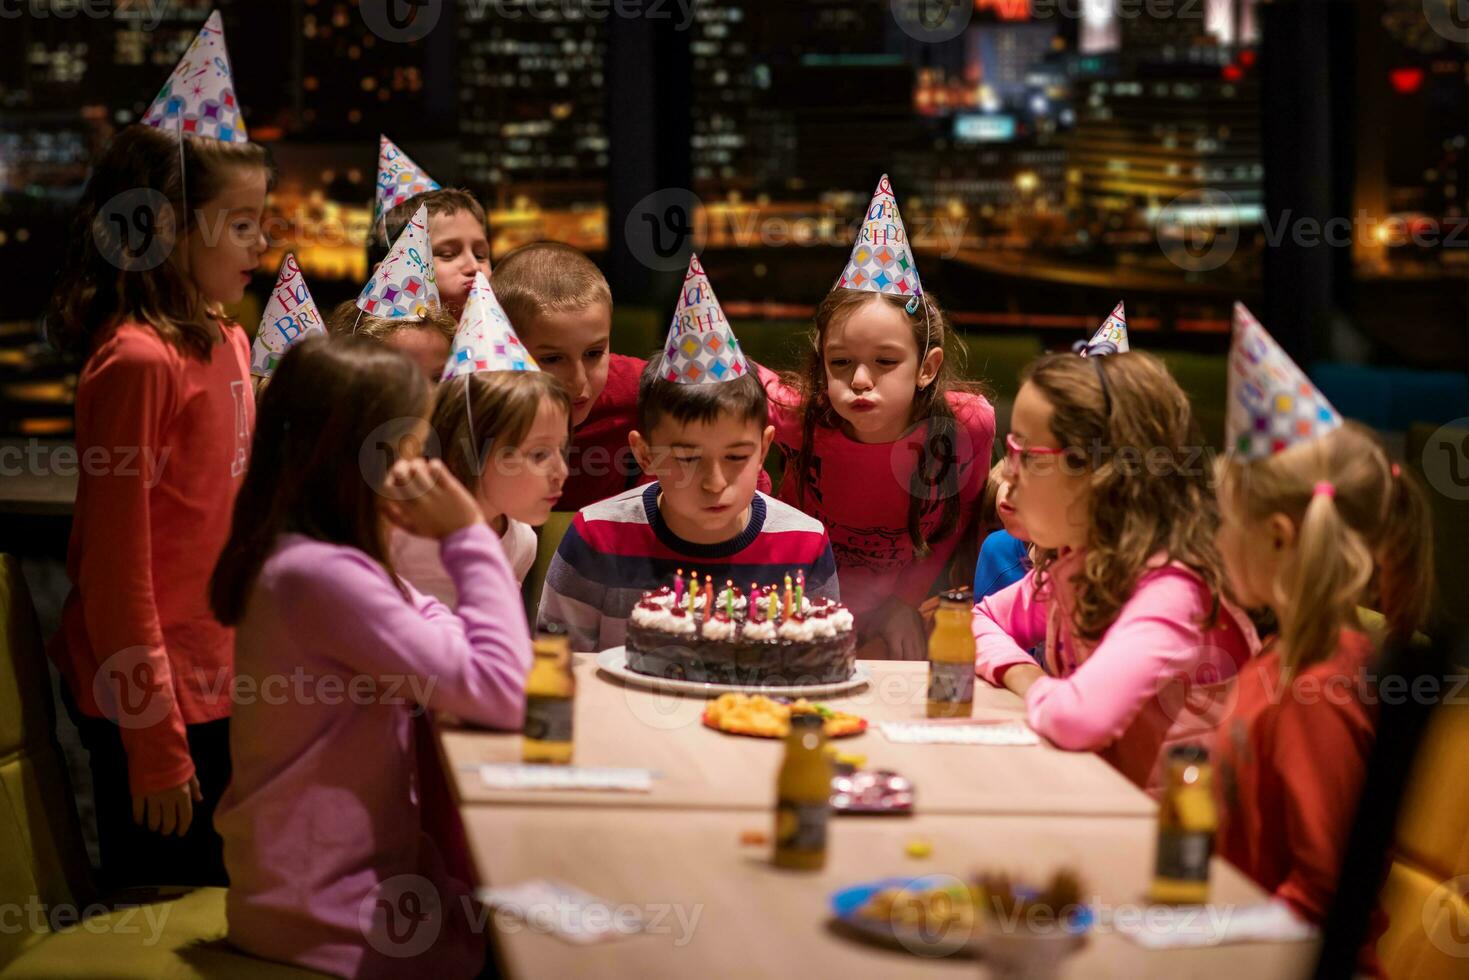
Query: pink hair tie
[
  {"x": 1396, "y": 471},
  {"x": 1324, "y": 489}
]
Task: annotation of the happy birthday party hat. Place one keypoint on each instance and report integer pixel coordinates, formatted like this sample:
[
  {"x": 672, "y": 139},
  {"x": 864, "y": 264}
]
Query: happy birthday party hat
[
  {"x": 398, "y": 179},
  {"x": 485, "y": 340},
  {"x": 701, "y": 348},
  {"x": 1110, "y": 338},
  {"x": 882, "y": 258},
  {"x": 290, "y": 315},
  {"x": 1272, "y": 404},
  {"x": 404, "y": 286},
  {"x": 199, "y": 97}
]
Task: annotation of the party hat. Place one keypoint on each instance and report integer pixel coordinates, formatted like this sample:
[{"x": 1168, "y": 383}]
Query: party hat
[
  {"x": 1110, "y": 338},
  {"x": 403, "y": 285},
  {"x": 199, "y": 97},
  {"x": 1272, "y": 404},
  {"x": 398, "y": 178},
  {"x": 882, "y": 258},
  {"x": 701, "y": 348},
  {"x": 290, "y": 315},
  {"x": 485, "y": 340}
]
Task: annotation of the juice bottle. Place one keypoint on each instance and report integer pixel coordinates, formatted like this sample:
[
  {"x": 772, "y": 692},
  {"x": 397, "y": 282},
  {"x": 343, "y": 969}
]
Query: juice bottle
[
  {"x": 1187, "y": 819},
  {"x": 803, "y": 797},
  {"x": 951, "y": 655},
  {"x": 549, "y": 698}
]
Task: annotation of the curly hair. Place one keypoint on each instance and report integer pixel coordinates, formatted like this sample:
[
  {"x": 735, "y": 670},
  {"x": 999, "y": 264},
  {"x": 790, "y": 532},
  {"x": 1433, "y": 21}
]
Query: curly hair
[
  {"x": 936, "y": 477},
  {"x": 1127, "y": 423},
  {"x": 1368, "y": 541}
]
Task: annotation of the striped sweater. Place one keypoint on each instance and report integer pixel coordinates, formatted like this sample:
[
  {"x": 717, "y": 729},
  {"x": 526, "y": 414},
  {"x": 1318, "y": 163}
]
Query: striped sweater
[{"x": 620, "y": 548}]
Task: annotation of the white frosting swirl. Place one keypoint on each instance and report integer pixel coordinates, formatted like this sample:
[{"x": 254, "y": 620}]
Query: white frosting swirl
[
  {"x": 796, "y": 629},
  {"x": 759, "y": 630},
  {"x": 683, "y": 624},
  {"x": 719, "y": 629}
]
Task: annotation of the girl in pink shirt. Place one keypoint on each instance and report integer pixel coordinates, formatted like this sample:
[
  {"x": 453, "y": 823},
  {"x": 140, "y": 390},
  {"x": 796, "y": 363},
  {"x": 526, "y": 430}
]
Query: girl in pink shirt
[
  {"x": 1108, "y": 476},
  {"x": 163, "y": 420},
  {"x": 329, "y": 866},
  {"x": 890, "y": 450}
]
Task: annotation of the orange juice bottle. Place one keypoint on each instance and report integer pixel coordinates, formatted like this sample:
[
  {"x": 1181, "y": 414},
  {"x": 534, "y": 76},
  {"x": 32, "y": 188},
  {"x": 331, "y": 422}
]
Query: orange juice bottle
[
  {"x": 1187, "y": 820},
  {"x": 951, "y": 655},
  {"x": 549, "y": 699},
  {"x": 803, "y": 797}
]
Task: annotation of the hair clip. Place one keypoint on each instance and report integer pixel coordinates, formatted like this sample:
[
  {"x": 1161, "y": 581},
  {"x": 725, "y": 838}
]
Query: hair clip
[
  {"x": 912, "y": 305},
  {"x": 1324, "y": 488}
]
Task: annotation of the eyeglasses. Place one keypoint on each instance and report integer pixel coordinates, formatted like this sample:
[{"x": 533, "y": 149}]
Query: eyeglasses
[{"x": 1019, "y": 455}]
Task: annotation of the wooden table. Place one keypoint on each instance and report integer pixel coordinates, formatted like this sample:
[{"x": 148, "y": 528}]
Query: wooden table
[
  {"x": 622, "y": 725},
  {"x": 675, "y": 853},
  {"x": 723, "y": 910}
]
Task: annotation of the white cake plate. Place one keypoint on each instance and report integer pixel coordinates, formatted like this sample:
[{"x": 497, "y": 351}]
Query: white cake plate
[{"x": 613, "y": 662}]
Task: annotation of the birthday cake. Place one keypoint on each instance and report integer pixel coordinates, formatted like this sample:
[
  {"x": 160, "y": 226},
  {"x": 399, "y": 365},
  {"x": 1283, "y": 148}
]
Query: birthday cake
[{"x": 762, "y": 638}]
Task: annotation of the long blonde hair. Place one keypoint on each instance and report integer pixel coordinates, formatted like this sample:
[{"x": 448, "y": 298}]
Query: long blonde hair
[{"x": 1363, "y": 537}]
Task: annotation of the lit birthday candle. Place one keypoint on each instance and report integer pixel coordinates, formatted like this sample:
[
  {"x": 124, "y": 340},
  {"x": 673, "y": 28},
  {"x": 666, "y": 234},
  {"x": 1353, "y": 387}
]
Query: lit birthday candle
[
  {"x": 693, "y": 590},
  {"x": 708, "y": 596},
  {"x": 678, "y": 587},
  {"x": 800, "y": 587},
  {"x": 729, "y": 597},
  {"x": 788, "y": 597}
]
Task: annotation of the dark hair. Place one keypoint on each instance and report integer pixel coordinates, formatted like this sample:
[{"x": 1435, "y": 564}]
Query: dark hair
[
  {"x": 743, "y": 398},
  {"x": 505, "y": 405},
  {"x": 445, "y": 200},
  {"x": 936, "y": 477},
  {"x": 328, "y": 399},
  {"x": 94, "y": 291}
]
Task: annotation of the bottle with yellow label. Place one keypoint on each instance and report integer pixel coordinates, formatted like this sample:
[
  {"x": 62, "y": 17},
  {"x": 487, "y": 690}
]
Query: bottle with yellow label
[
  {"x": 1187, "y": 820},
  {"x": 951, "y": 655},
  {"x": 549, "y": 699},
  {"x": 803, "y": 797}
]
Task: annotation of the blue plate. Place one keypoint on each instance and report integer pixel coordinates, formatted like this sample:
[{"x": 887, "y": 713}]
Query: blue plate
[{"x": 847, "y": 903}]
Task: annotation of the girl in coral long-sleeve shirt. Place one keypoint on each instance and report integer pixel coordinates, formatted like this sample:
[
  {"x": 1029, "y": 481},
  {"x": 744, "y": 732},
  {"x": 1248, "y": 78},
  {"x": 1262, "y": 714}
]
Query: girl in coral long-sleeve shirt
[
  {"x": 163, "y": 419},
  {"x": 1311, "y": 532},
  {"x": 1139, "y": 644},
  {"x": 329, "y": 865}
]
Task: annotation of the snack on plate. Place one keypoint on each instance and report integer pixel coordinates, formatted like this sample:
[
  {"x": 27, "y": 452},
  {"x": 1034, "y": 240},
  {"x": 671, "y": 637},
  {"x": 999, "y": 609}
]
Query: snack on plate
[
  {"x": 763, "y": 638},
  {"x": 763, "y": 717},
  {"x": 930, "y": 910}
]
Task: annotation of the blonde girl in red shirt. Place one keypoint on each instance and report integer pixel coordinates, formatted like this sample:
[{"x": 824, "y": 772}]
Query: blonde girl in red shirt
[
  {"x": 164, "y": 415},
  {"x": 1316, "y": 520}
]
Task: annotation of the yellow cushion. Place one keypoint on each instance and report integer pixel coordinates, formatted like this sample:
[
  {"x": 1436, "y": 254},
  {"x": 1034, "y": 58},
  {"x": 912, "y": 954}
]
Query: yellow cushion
[
  {"x": 166, "y": 940},
  {"x": 549, "y": 536},
  {"x": 1433, "y": 832},
  {"x": 1427, "y": 936}
]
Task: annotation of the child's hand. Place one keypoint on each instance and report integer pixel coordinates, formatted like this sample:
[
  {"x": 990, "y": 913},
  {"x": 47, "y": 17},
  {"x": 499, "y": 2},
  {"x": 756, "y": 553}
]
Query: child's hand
[
  {"x": 169, "y": 811},
  {"x": 902, "y": 629},
  {"x": 423, "y": 498}
]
